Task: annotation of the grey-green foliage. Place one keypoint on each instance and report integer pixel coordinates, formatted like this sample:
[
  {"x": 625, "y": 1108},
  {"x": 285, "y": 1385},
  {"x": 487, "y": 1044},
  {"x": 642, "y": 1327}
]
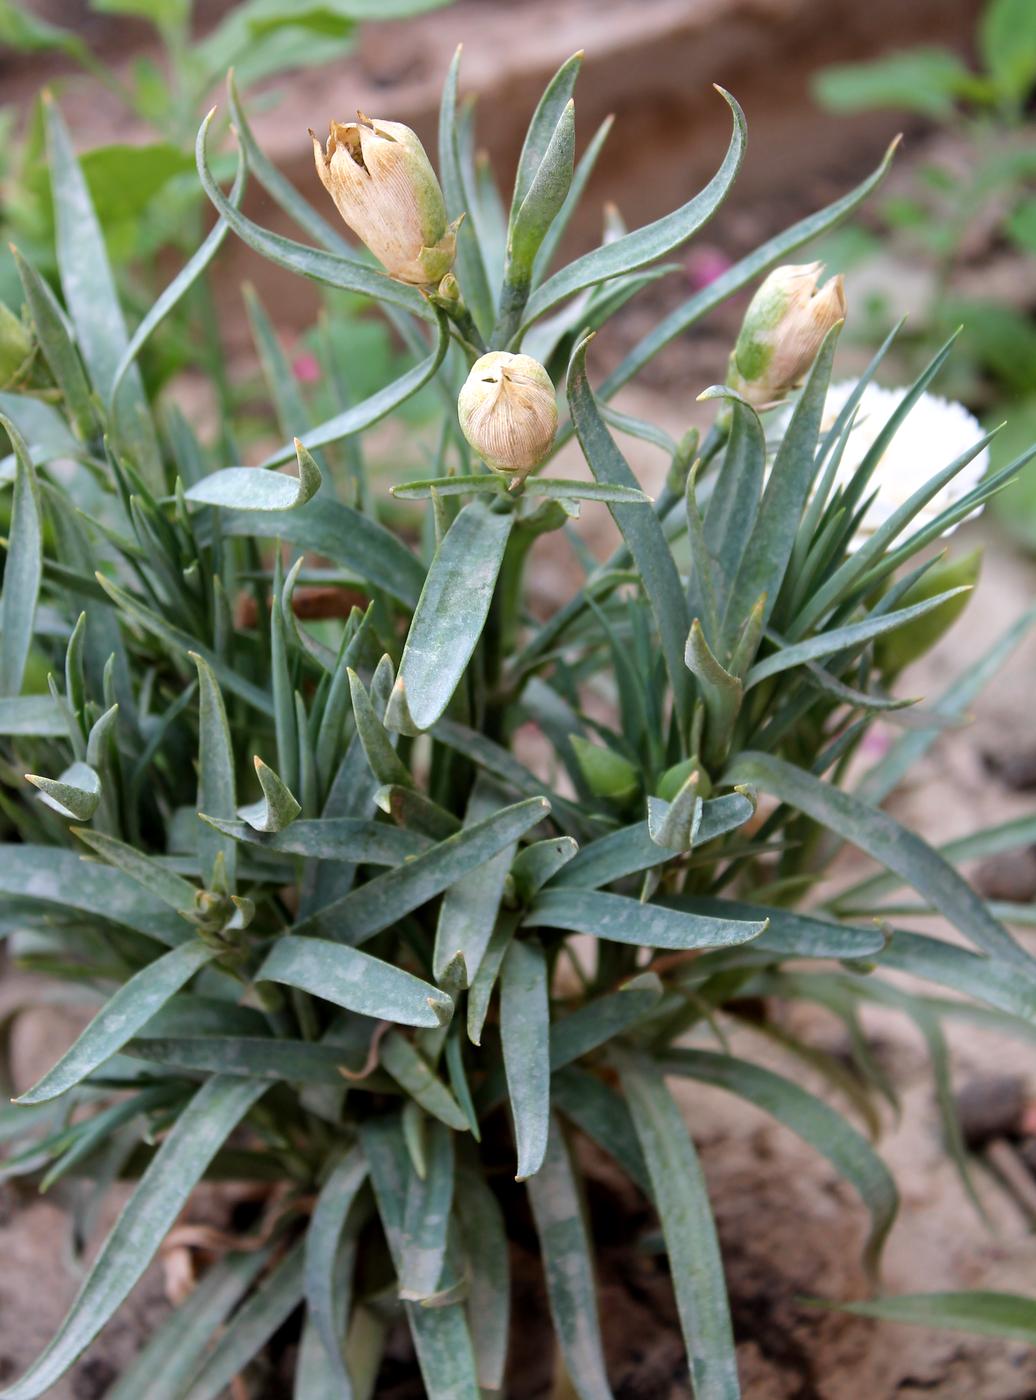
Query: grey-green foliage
[{"x": 260, "y": 789}]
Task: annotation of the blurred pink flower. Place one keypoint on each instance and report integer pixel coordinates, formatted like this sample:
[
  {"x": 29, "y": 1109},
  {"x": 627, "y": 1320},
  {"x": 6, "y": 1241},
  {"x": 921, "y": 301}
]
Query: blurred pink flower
[
  {"x": 704, "y": 264},
  {"x": 306, "y": 368}
]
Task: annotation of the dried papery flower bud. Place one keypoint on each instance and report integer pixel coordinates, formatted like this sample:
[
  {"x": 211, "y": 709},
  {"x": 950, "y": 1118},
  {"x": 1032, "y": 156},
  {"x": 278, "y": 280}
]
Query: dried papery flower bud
[
  {"x": 508, "y": 412},
  {"x": 385, "y": 189},
  {"x": 783, "y": 329}
]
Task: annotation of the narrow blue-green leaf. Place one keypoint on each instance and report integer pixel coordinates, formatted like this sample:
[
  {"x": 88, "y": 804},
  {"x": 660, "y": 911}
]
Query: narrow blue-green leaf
[
  {"x": 734, "y": 504},
  {"x": 484, "y": 1238},
  {"x": 470, "y": 267},
  {"x": 217, "y": 794},
  {"x": 467, "y": 915},
  {"x": 385, "y": 899},
  {"x": 539, "y": 862},
  {"x": 62, "y": 878},
  {"x": 120, "y": 1018},
  {"x": 554, "y": 488},
  {"x": 449, "y": 617},
  {"x": 631, "y": 849},
  {"x": 76, "y": 794},
  {"x": 583, "y": 171},
  {"x": 891, "y": 845},
  {"x": 181, "y": 283},
  {"x": 412, "y": 1072},
  {"x": 276, "y": 809},
  {"x": 824, "y": 1129},
  {"x": 441, "y": 1336},
  {"x": 355, "y": 980},
  {"x": 253, "y": 1057},
  {"x": 61, "y": 355},
  {"x": 174, "y": 1171},
  {"x": 565, "y": 1245},
  {"x": 334, "y": 270},
  {"x": 789, "y": 934},
  {"x": 768, "y": 549},
  {"x": 380, "y": 404},
  {"x": 165, "y": 884},
  {"x": 251, "y": 1327},
  {"x": 251, "y": 488},
  {"x": 171, "y": 1354},
  {"x": 853, "y": 635},
  {"x": 332, "y": 838},
  {"x": 525, "y": 1036},
  {"x": 649, "y": 243},
  {"x": 32, "y": 716},
  {"x": 601, "y": 1113},
  {"x": 23, "y": 566},
  {"x": 482, "y": 984},
  {"x": 93, "y": 302},
  {"x": 387, "y": 768},
  {"x": 688, "y": 1228},
  {"x": 641, "y": 529},
  {"x": 744, "y": 271},
  {"x": 1009, "y": 1315},
  {"x": 623, "y": 920},
  {"x": 603, "y": 1018},
  {"x": 323, "y": 1237},
  {"x": 984, "y": 979},
  {"x": 343, "y": 535},
  {"x": 426, "y": 1218}
]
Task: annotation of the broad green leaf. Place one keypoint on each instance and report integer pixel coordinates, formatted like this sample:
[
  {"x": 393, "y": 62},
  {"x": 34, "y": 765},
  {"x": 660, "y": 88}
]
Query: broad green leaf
[
  {"x": 254, "y": 1057},
  {"x": 484, "y": 1237},
  {"x": 348, "y": 274},
  {"x": 323, "y": 1239},
  {"x": 989, "y": 1314},
  {"x": 250, "y": 488},
  {"x": 682, "y": 1200},
  {"x": 343, "y": 535},
  {"x": 426, "y": 1218},
  {"x": 891, "y": 845},
  {"x": 343, "y": 975},
  {"x": 53, "y": 876},
  {"x": 623, "y": 920},
  {"x": 217, "y": 795},
  {"x": 251, "y": 1327},
  {"x": 831, "y": 1134},
  {"x": 23, "y": 567},
  {"x": 565, "y": 1245},
  {"x": 449, "y": 617},
  {"x": 525, "y": 1037},
  {"x": 165, "y": 884},
  {"x": 631, "y": 849},
  {"x": 855, "y": 634},
  {"x": 75, "y": 794},
  {"x": 171, "y": 1176},
  {"x": 469, "y": 908},
  {"x": 925, "y": 80},
  {"x": 332, "y": 838},
  {"x": 163, "y": 1367},
  {"x": 645, "y": 244},
  {"x": 1007, "y": 39},
  {"x": 775, "y": 250},
  {"x": 385, "y": 899},
  {"x": 120, "y": 1018},
  {"x": 412, "y": 1072},
  {"x": 641, "y": 529},
  {"x": 93, "y": 303}
]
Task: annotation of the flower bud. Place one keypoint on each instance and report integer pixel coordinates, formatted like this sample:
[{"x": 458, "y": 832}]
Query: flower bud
[
  {"x": 385, "y": 189},
  {"x": 508, "y": 412},
  {"x": 783, "y": 329}
]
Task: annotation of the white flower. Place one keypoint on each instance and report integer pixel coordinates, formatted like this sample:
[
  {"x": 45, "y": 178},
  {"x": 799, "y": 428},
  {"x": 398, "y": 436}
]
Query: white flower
[{"x": 934, "y": 432}]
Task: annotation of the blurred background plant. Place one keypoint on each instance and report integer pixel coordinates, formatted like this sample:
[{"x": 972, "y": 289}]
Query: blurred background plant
[{"x": 954, "y": 242}]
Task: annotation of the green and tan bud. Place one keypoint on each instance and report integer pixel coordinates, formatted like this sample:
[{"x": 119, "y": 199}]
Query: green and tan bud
[
  {"x": 783, "y": 329},
  {"x": 385, "y": 189},
  {"x": 509, "y": 413}
]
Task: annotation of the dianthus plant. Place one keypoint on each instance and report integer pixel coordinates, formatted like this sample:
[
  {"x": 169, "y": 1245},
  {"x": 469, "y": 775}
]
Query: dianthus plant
[{"x": 382, "y": 892}]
